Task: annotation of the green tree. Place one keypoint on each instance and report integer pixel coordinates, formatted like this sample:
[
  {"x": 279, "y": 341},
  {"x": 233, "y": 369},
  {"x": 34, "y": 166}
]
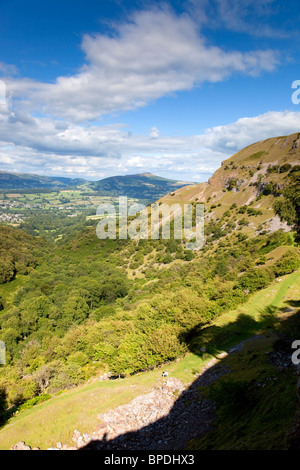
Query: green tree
[
  {"x": 113, "y": 287},
  {"x": 288, "y": 263},
  {"x": 75, "y": 310},
  {"x": 167, "y": 258},
  {"x": 255, "y": 279},
  {"x": 288, "y": 207}
]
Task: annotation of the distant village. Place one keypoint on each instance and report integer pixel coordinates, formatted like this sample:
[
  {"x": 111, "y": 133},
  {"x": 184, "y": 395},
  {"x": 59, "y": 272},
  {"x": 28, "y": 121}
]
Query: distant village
[
  {"x": 9, "y": 217},
  {"x": 8, "y": 210},
  {"x": 7, "y": 205}
]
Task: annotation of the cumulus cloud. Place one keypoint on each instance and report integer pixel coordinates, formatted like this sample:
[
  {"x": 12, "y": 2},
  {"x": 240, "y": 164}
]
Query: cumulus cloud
[
  {"x": 154, "y": 132},
  {"x": 50, "y": 128},
  {"x": 247, "y": 130},
  {"x": 42, "y": 145},
  {"x": 154, "y": 54}
]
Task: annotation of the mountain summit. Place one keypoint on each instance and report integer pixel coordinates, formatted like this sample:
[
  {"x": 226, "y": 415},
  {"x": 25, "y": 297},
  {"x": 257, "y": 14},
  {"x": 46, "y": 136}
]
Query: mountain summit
[{"x": 250, "y": 181}]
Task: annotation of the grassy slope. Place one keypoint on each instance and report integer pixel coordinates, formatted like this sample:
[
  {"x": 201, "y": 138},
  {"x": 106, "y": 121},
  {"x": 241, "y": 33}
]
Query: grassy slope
[
  {"x": 263, "y": 419},
  {"x": 247, "y": 167},
  {"x": 55, "y": 420},
  {"x": 265, "y": 416}
]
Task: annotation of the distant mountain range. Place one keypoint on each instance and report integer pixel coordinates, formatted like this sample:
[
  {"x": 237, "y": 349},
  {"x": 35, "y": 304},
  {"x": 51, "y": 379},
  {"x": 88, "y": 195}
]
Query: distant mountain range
[
  {"x": 21, "y": 181},
  {"x": 145, "y": 186}
]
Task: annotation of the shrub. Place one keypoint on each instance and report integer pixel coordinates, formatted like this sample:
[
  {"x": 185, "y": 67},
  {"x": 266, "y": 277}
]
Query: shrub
[
  {"x": 288, "y": 263},
  {"x": 243, "y": 222},
  {"x": 285, "y": 167},
  {"x": 272, "y": 169},
  {"x": 242, "y": 209},
  {"x": 268, "y": 189},
  {"x": 251, "y": 211},
  {"x": 189, "y": 255},
  {"x": 288, "y": 209},
  {"x": 295, "y": 169},
  {"x": 255, "y": 279},
  {"x": 172, "y": 245},
  {"x": 168, "y": 258},
  {"x": 66, "y": 376},
  {"x": 232, "y": 183},
  {"x": 114, "y": 287},
  {"x": 34, "y": 401}
]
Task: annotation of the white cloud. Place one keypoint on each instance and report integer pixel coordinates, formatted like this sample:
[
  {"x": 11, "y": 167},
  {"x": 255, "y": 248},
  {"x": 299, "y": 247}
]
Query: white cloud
[
  {"x": 252, "y": 17},
  {"x": 154, "y": 54},
  {"x": 7, "y": 69},
  {"x": 247, "y": 130},
  {"x": 136, "y": 162},
  {"x": 44, "y": 146},
  {"x": 154, "y": 132}
]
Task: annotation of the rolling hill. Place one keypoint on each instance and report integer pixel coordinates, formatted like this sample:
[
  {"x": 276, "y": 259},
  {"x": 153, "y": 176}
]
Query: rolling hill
[
  {"x": 144, "y": 186},
  {"x": 23, "y": 181}
]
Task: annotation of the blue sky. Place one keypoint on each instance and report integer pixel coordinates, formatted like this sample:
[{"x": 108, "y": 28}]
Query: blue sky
[{"x": 98, "y": 88}]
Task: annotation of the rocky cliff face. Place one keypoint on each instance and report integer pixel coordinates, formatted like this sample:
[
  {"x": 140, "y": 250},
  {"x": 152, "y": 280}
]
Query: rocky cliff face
[
  {"x": 255, "y": 176},
  {"x": 261, "y": 162}
]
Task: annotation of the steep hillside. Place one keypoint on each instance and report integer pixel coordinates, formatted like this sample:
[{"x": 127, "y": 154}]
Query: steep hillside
[
  {"x": 120, "y": 307},
  {"x": 252, "y": 178},
  {"x": 19, "y": 252},
  {"x": 246, "y": 359}
]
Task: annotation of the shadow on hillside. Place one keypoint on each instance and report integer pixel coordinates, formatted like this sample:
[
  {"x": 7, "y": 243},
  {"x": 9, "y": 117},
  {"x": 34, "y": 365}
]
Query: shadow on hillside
[
  {"x": 294, "y": 303},
  {"x": 5, "y": 413},
  {"x": 193, "y": 414}
]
